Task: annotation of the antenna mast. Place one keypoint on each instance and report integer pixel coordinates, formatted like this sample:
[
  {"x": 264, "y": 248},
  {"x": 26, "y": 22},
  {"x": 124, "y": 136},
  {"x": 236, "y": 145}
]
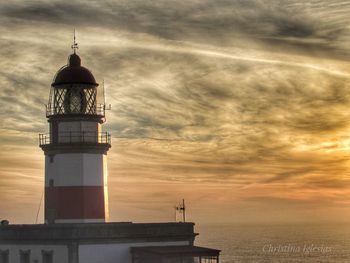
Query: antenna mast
[
  {"x": 75, "y": 44},
  {"x": 182, "y": 209},
  {"x": 37, "y": 214},
  {"x": 104, "y": 92}
]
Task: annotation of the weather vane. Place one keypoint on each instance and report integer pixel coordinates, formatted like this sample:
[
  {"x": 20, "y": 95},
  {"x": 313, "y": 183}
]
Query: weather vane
[{"x": 75, "y": 44}]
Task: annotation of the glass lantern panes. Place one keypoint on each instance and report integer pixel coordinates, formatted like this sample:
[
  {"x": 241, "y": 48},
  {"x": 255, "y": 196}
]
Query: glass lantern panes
[{"x": 73, "y": 99}]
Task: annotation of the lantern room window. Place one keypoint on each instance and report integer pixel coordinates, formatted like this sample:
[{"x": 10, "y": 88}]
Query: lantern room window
[{"x": 75, "y": 101}]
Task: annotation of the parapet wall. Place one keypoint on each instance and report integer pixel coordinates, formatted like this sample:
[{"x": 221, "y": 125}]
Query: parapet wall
[{"x": 97, "y": 232}]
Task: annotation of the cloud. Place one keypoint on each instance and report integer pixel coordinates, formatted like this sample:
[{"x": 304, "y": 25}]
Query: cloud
[
  {"x": 226, "y": 22},
  {"x": 235, "y": 93}
]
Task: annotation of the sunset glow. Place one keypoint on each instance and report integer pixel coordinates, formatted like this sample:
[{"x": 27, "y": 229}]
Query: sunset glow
[{"x": 240, "y": 107}]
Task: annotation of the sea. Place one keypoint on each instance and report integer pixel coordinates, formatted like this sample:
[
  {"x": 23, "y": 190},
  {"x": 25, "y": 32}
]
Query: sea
[{"x": 277, "y": 243}]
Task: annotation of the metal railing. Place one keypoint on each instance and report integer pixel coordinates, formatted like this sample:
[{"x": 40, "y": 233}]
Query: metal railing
[
  {"x": 75, "y": 138},
  {"x": 51, "y": 110}
]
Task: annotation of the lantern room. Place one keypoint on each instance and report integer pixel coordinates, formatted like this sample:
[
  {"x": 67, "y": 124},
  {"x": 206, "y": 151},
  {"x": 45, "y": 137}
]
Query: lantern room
[{"x": 74, "y": 91}]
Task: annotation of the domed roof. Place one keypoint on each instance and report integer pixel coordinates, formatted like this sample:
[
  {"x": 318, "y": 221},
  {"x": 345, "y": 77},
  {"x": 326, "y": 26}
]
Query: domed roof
[{"x": 74, "y": 73}]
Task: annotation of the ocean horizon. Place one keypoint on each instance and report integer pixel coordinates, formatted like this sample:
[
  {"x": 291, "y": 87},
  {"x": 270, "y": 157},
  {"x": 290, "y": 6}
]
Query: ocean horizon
[{"x": 277, "y": 243}]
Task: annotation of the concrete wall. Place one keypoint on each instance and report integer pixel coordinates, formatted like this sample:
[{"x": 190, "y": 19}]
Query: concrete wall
[
  {"x": 75, "y": 188},
  {"x": 115, "y": 253},
  {"x": 87, "y": 253},
  {"x": 76, "y": 169},
  {"x": 71, "y": 131},
  {"x": 60, "y": 252},
  {"x": 78, "y": 126},
  {"x": 91, "y": 243}
]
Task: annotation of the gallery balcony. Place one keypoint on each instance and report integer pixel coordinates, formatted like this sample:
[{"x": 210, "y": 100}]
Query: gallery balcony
[
  {"x": 62, "y": 110},
  {"x": 75, "y": 142}
]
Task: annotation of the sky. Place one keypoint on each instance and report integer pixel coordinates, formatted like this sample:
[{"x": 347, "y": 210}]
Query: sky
[{"x": 241, "y": 107}]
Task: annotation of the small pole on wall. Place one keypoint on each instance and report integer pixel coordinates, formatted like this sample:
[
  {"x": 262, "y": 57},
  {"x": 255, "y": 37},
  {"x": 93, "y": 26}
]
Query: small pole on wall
[{"x": 182, "y": 209}]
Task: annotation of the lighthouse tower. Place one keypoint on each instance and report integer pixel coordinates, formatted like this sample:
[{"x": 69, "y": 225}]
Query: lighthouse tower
[
  {"x": 76, "y": 192},
  {"x": 75, "y": 148}
]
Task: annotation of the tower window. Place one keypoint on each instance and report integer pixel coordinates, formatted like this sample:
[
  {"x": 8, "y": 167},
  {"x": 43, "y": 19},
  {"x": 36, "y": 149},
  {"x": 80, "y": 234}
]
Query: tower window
[
  {"x": 24, "y": 256},
  {"x": 4, "y": 256},
  {"x": 51, "y": 182},
  {"x": 75, "y": 100},
  {"x": 47, "y": 256},
  {"x": 52, "y": 158}
]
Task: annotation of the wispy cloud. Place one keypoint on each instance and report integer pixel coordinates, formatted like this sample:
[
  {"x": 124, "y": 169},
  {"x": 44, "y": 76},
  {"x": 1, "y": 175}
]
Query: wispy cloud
[{"x": 243, "y": 96}]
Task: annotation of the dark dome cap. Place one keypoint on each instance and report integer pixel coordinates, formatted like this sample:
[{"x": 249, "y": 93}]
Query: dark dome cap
[
  {"x": 74, "y": 60},
  {"x": 74, "y": 73}
]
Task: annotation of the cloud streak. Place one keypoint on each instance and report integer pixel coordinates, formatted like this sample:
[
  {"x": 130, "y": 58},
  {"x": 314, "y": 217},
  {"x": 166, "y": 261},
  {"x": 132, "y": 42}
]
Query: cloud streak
[{"x": 239, "y": 99}]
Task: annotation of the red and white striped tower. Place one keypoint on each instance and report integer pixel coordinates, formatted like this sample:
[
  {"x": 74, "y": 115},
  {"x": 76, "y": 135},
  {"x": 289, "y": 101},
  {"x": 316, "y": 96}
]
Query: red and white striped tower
[{"x": 75, "y": 148}]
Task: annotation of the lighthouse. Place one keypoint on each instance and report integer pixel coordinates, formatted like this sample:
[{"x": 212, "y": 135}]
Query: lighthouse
[
  {"x": 76, "y": 228},
  {"x": 75, "y": 148}
]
